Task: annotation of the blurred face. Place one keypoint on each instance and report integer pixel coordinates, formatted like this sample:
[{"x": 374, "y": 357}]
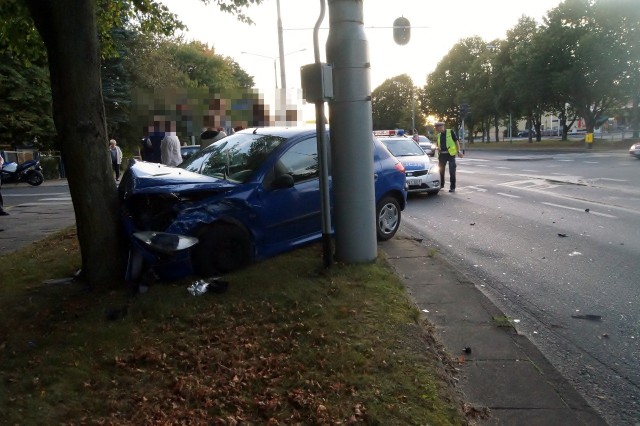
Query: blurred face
[{"x": 440, "y": 128}]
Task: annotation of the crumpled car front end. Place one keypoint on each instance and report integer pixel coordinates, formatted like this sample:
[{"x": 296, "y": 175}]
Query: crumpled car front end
[{"x": 161, "y": 199}]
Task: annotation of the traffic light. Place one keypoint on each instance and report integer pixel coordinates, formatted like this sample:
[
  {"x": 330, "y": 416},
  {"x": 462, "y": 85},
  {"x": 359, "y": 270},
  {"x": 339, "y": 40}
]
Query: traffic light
[{"x": 401, "y": 31}]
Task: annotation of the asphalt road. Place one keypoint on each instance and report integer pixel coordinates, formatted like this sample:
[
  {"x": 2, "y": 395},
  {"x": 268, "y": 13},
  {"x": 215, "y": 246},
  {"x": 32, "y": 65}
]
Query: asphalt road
[
  {"x": 554, "y": 240},
  {"x": 34, "y": 212}
]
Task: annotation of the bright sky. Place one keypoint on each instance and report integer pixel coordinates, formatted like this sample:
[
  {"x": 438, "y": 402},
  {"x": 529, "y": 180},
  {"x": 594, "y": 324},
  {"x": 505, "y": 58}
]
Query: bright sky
[{"x": 436, "y": 27}]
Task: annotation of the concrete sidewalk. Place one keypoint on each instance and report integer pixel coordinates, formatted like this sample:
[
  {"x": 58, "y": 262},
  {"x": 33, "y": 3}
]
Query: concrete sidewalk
[{"x": 499, "y": 369}]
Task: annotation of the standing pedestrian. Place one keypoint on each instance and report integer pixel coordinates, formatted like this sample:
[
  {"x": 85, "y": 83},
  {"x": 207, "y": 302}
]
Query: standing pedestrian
[
  {"x": 2, "y": 211},
  {"x": 208, "y": 137},
  {"x": 116, "y": 158},
  {"x": 170, "y": 147},
  {"x": 448, "y": 146}
]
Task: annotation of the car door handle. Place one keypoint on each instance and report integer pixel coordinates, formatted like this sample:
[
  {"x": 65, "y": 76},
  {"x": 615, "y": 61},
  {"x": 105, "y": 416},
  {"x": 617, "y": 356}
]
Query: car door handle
[{"x": 375, "y": 177}]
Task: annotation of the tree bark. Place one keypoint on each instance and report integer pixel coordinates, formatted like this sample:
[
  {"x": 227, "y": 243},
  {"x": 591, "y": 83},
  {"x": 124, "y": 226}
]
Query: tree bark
[{"x": 68, "y": 29}]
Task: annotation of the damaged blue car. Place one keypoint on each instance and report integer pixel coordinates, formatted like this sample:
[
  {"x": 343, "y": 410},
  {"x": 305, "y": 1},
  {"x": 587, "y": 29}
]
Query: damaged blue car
[{"x": 247, "y": 197}]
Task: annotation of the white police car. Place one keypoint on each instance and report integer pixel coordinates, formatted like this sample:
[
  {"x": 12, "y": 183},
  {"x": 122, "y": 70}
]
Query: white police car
[{"x": 422, "y": 174}]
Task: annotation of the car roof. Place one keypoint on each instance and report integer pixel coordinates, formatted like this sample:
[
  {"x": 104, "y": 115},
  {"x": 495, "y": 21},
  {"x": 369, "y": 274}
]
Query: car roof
[
  {"x": 281, "y": 131},
  {"x": 395, "y": 138}
]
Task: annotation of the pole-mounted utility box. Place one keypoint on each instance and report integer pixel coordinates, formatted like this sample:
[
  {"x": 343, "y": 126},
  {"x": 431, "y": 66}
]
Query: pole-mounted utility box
[{"x": 317, "y": 82}]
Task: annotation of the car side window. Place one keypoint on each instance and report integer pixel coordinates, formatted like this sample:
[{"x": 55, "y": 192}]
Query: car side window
[{"x": 300, "y": 161}]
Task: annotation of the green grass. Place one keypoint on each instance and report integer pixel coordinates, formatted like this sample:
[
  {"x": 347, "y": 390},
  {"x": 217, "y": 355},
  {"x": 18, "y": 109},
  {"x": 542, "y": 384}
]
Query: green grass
[
  {"x": 523, "y": 143},
  {"x": 502, "y": 321},
  {"x": 289, "y": 342}
]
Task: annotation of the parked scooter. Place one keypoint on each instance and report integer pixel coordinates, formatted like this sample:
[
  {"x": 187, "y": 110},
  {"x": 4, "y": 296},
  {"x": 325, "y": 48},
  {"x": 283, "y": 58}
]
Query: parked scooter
[{"x": 30, "y": 172}]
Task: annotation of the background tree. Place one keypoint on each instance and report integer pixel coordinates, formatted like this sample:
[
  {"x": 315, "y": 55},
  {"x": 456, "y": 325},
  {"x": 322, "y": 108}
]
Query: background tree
[
  {"x": 69, "y": 31},
  {"x": 585, "y": 57},
  {"x": 449, "y": 85},
  {"x": 526, "y": 73},
  {"x": 627, "y": 21},
  {"x": 391, "y": 103},
  {"x": 25, "y": 104},
  {"x": 482, "y": 91}
]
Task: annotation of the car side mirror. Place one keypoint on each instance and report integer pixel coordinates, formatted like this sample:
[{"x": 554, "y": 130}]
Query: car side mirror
[{"x": 284, "y": 180}]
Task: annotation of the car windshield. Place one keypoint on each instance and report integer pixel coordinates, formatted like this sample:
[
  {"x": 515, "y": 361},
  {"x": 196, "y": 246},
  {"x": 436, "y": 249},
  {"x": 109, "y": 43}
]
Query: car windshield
[
  {"x": 402, "y": 147},
  {"x": 234, "y": 158}
]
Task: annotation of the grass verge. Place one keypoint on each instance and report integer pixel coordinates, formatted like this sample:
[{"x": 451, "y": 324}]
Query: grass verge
[
  {"x": 572, "y": 144},
  {"x": 289, "y": 342}
]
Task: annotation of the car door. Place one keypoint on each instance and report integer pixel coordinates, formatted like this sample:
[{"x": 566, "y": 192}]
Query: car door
[{"x": 290, "y": 216}]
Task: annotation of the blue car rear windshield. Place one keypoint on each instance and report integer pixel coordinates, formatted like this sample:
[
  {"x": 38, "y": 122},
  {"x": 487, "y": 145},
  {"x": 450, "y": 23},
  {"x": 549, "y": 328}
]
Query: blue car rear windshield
[{"x": 234, "y": 158}]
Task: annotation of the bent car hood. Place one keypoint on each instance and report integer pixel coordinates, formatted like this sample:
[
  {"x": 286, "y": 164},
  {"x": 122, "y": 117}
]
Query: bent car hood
[{"x": 152, "y": 178}]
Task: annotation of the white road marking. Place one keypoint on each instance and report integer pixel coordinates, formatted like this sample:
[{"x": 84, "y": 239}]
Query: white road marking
[
  {"x": 62, "y": 203},
  {"x": 529, "y": 184},
  {"x": 503, "y": 167},
  {"x": 466, "y": 172},
  {"x": 592, "y": 162},
  {"x": 566, "y": 160},
  {"x": 580, "y": 210},
  {"x": 51, "y": 194},
  {"x": 476, "y": 188},
  {"x": 531, "y": 171},
  {"x": 474, "y": 159},
  {"x": 612, "y": 180},
  {"x": 508, "y": 195}
]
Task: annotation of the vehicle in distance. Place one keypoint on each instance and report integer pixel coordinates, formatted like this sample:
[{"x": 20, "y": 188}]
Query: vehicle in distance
[
  {"x": 422, "y": 174},
  {"x": 427, "y": 146},
  {"x": 525, "y": 133},
  {"x": 247, "y": 197},
  {"x": 634, "y": 151}
]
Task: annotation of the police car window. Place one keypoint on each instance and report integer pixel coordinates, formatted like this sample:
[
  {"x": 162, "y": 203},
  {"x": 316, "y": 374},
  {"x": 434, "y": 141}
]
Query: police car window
[{"x": 301, "y": 161}]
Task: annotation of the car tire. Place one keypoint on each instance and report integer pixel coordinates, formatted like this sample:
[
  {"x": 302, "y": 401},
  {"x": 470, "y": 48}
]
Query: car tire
[
  {"x": 388, "y": 215},
  {"x": 221, "y": 248}
]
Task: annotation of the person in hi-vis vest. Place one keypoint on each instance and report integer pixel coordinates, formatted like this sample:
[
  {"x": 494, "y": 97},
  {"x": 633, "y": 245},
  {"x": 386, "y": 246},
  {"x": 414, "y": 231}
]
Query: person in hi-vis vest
[{"x": 448, "y": 147}]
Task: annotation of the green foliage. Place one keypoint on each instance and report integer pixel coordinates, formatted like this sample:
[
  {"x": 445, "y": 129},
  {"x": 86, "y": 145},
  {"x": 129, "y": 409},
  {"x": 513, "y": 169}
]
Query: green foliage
[
  {"x": 25, "y": 104},
  {"x": 587, "y": 54},
  {"x": 392, "y": 104},
  {"x": 50, "y": 166},
  {"x": 136, "y": 54},
  {"x": 583, "y": 61},
  {"x": 448, "y": 86},
  {"x": 19, "y": 39}
]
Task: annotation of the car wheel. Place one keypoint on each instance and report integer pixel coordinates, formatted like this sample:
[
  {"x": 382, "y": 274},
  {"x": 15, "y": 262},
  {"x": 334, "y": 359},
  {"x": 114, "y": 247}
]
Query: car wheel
[
  {"x": 221, "y": 248},
  {"x": 388, "y": 216}
]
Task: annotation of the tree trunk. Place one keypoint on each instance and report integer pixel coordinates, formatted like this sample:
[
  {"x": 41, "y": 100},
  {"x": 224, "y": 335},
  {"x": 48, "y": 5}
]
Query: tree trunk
[
  {"x": 68, "y": 29},
  {"x": 497, "y": 130}
]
